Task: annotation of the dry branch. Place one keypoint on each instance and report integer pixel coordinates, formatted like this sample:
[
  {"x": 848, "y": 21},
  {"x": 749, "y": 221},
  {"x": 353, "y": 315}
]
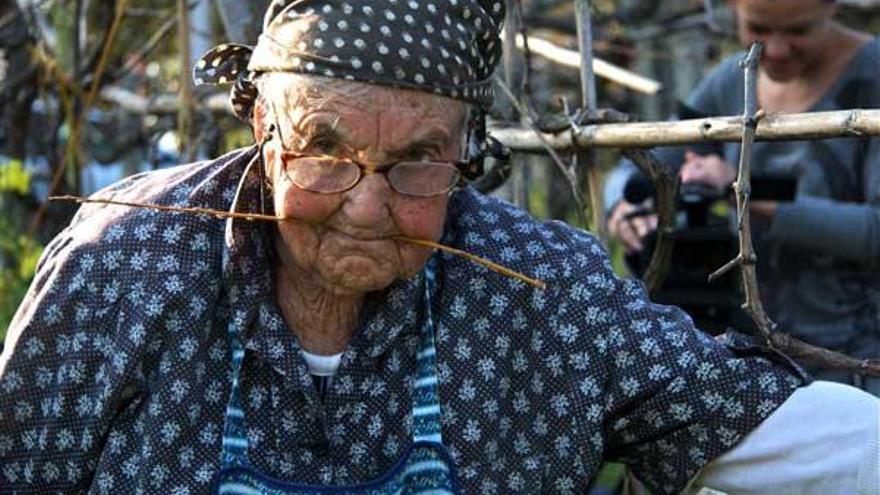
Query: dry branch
[
  {"x": 774, "y": 127},
  {"x": 747, "y": 259},
  {"x": 666, "y": 184},
  {"x": 252, "y": 217},
  {"x": 173, "y": 209},
  {"x": 565, "y": 170},
  {"x": 73, "y": 143},
  {"x": 145, "y": 50},
  {"x": 476, "y": 259},
  {"x": 822, "y": 357}
]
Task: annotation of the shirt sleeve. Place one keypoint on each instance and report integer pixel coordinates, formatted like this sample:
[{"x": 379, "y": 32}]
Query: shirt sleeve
[
  {"x": 822, "y": 440},
  {"x": 67, "y": 369},
  {"x": 667, "y": 398},
  {"x": 849, "y": 230}
]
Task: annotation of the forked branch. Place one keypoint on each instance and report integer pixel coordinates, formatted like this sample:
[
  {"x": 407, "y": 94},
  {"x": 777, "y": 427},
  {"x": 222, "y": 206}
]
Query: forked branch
[{"x": 747, "y": 259}]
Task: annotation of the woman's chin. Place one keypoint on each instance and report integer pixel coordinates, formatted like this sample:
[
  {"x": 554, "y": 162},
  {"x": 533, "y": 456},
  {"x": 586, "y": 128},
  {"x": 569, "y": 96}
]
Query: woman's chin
[{"x": 358, "y": 274}]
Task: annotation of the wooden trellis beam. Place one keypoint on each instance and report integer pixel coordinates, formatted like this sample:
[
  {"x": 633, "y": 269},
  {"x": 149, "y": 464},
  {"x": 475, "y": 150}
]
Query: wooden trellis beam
[{"x": 773, "y": 127}]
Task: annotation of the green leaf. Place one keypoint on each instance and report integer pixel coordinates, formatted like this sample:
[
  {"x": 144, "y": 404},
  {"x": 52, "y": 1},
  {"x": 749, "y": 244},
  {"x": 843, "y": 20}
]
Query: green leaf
[{"x": 14, "y": 178}]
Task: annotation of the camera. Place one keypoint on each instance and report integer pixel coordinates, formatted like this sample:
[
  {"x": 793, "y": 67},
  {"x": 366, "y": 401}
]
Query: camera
[{"x": 705, "y": 238}]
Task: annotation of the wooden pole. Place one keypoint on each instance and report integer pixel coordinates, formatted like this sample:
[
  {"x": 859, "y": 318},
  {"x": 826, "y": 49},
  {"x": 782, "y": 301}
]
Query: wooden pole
[
  {"x": 602, "y": 68},
  {"x": 185, "y": 108},
  {"x": 585, "y": 45},
  {"x": 586, "y": 159},
  {"x": 773, "y": 127},
  {"x": 512, "y": 62}
]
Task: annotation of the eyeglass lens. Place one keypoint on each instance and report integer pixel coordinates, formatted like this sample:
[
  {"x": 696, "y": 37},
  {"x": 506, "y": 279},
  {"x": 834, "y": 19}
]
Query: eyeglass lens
[{"x": 332, "y": 175}]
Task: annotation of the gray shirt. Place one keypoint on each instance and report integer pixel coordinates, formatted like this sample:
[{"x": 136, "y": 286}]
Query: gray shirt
[{"x": 819, "y": 257}]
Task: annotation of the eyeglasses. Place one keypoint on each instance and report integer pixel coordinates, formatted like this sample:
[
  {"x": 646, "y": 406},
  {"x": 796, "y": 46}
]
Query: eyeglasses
[{"x": 328, "y": 174}]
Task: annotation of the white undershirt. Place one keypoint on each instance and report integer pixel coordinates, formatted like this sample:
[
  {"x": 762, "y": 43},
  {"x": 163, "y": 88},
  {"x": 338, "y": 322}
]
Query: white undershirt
[
  {"x": 322, "y": 369},
  {"x": 321, "y": 365},
  {"x": 825, "y": 439}
]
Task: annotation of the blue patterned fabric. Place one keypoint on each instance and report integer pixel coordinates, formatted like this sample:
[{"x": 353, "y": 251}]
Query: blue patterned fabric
[
  {"x": 424, "y": 468},
  {"x": 116, "y": 370}
]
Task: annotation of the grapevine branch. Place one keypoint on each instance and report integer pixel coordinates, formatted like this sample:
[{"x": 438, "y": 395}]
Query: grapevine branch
[
  {"x": 746, "y": 259},
  {"x": 557, "y": 160},
  {"x": 666, "y": 184}
]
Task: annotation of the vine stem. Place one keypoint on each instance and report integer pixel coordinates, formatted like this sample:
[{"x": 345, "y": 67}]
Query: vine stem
[
  {"x": 747, "y": 259},
  {"x": 272, "y": 218}
]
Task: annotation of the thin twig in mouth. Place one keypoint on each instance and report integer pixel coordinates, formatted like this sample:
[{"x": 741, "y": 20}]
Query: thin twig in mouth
[
  {"x": 271, "y": 218},
  {"x": 178, "y": 209},
  {"x": 476, "y": 259}
]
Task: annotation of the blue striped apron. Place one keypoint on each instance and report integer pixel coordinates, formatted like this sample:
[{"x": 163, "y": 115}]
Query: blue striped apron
[{"x": 425, "y": 468}]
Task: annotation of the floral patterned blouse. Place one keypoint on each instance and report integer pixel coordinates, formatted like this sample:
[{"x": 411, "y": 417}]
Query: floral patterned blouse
[{"x": 115, "y": 373}]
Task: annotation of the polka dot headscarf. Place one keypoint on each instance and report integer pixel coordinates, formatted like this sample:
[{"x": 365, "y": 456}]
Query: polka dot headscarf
[{"x": 448, "y": 47}]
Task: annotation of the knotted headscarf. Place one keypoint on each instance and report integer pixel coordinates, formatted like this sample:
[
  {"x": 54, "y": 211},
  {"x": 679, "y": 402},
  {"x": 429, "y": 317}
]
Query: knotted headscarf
[{"x": 448, "y": 47}]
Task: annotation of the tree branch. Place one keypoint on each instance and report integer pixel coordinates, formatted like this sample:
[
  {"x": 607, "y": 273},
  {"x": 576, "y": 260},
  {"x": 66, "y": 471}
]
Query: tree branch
[
  {"x": 666, "y": 184},
  {"x": 72, "y": 147},
  {"x": 747, "y": 258},
  {"x": 585, "y": 159},
  {"x": 557, "y": 160}
]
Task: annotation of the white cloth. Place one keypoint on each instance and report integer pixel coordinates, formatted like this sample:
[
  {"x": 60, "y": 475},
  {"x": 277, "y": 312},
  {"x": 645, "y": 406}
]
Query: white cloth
[
  {"x": 321, "y": 365},
  {"x": 825, "y": 439}
]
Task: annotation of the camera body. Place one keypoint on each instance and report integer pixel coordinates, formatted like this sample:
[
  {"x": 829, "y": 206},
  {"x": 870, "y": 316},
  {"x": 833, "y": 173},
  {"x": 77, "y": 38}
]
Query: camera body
[{"x": 704, "y": 239}]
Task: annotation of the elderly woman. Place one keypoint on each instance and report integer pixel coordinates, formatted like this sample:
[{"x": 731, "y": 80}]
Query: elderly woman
[{"x": 170, "y": 353}]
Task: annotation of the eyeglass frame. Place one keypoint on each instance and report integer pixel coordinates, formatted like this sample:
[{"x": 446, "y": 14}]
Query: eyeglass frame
[
  {"x": 470, "y": 167},
  {"x": 363, "y": 170}
]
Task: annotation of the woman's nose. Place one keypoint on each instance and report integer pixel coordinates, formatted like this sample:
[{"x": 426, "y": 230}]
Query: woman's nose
[{"x": 368, "y": 202}]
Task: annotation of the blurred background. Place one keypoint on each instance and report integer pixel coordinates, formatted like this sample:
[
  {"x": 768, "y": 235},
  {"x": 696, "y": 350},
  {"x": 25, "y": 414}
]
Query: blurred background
[{"x": 94, "y": 90}]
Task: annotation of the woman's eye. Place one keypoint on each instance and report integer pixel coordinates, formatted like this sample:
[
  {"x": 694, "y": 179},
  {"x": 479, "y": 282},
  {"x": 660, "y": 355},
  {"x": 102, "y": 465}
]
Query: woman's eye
[
  {"x": 323, "y": 147},
  {"x": 423, "y": 155}
]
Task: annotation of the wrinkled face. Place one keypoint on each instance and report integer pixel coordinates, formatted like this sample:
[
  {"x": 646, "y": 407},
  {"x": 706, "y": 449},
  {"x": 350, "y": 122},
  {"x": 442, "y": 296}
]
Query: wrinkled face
[
  {"x": 343, "y": 241},
  {"x": 794, "y": 32}
]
